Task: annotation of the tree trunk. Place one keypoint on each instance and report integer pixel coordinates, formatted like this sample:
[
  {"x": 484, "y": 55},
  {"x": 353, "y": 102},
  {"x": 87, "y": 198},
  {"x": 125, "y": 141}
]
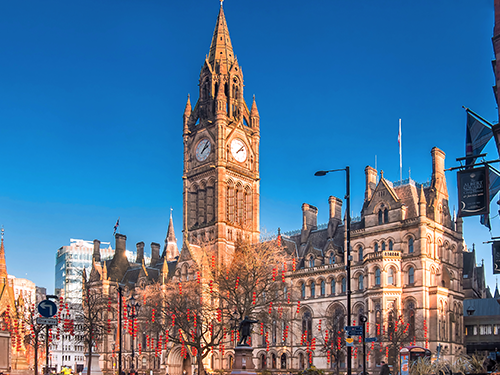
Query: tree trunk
[
  {"x": 201, "y": 367},
  {"x": 36, "y": 355},
  {"x": 89, "y": 366}
]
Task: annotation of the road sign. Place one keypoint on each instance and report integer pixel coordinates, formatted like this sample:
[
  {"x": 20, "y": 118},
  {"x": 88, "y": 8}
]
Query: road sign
[
  {"x": 371, "y": 339},
  {"x": 48, "y": 321},
  {"x": 349, "y": 341},
  {"x": 47, "y": 308},
  {"x": 353, "y": 330}
]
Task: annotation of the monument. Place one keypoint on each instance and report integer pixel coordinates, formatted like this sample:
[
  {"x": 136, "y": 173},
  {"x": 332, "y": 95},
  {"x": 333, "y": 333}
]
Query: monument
[{"x": 243, "y": 359}]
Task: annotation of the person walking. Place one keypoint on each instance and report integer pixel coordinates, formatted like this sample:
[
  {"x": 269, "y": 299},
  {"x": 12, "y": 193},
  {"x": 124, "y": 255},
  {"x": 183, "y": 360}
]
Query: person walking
[{"x": 384, "y": 370}]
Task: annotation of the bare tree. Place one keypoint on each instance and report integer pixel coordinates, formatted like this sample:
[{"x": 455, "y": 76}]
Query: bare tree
[
  {"x": 333, "y": 337},
  {"x": 91, "y": 320},
  {"x": 201, "y": 314}
]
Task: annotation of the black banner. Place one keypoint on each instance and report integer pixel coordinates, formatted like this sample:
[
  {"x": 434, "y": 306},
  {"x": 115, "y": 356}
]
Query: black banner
[
  {"x": 495, "y": 247},
  {"x": 473, "y": 192}
]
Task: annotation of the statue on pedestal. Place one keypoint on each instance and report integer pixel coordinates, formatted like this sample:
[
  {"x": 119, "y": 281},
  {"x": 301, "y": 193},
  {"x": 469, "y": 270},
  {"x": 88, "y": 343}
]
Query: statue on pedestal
[{"x": 245, "y": 328}]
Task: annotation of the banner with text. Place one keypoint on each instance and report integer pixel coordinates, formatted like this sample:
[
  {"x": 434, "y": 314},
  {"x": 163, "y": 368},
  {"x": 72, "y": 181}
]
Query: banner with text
[
  {"x": 473, "y": 192},
  {"x": 495, "y": 247}
]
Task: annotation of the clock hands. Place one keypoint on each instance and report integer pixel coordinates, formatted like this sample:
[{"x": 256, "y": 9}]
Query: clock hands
[
  {"x": 204, "y": 148},
  {"x": 241, "y": 149}
]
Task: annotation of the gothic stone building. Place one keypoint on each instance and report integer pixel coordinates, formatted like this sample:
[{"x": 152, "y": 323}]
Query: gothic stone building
[{"x": 406, "y": 248}]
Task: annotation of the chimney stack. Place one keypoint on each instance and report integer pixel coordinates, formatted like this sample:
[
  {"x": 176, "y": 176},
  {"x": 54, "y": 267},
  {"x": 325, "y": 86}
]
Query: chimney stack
[
  {"x": 155, "y": 253},
  {"x": 120, "y": 244},
  {"x": 140, "y": 252},
  {"x": 97, "y": 250},
  {"x": 437, "y": 163},
  {"x": 335, "y": 208},
  {"x": 371, "y": 182},
  {"x": 309, "y": 217}
]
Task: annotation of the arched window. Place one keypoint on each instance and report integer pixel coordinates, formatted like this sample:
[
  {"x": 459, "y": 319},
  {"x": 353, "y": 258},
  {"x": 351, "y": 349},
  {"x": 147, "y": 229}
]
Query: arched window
[
  {"x": 263, "y": 361},
  {"x": 307, "y": 325},
  {"x": 313, "y": 289},
  {"x": 274, "y": 332},
  {"x": 410, "y": 245},
  {"x": 411, "y": 275},
  {"x": 377, "y": 277},
  {"x": 332, "y": 286},
  {"x": 302, "y": 362},
  {"x": 322, "y": 292},
  {"x": 383, "y": 246},
  {"x": 360, "y": 282},
  {"x": 283, "y": 361},
  {"x": 411, "y": 319},
  {"x": 331, "y": 260},
  {"x": 375, "y": 247},
  {"x": 230, "y": 204},
  {"x": 391, "y": 245},
  {"x": 380, "y": 217},
  {"x": 311, "y": 262},
  {"x": 390, "y": 277},
  {"x": 303, "y": 291},
  {"x": 386, "y": 216},
  {"x": 273, "y": 360},
  {"x": 344, "y": 288},
  {"x": 360, "y": 253}
]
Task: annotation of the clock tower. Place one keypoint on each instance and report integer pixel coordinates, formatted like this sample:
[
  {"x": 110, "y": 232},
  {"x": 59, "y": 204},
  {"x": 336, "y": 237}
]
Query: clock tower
[{"x": 221, "y": 153}]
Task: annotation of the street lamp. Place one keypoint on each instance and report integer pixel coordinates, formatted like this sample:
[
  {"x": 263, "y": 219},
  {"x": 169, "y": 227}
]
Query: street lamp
[
  {"x": 348, "y": 255},
  {"x": 133, "y": 312}
]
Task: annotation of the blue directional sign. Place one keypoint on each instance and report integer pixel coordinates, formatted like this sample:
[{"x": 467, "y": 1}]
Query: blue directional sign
[
  {"x": 371, "y": 339},
  {"x": 47, "y": 308},
  {"x": 354, "y": 330}
]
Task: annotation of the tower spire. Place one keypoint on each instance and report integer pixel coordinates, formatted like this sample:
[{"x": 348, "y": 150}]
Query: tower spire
[
  {"x": 221, "y": 53},
  {"x": 170, "y": 251},
  {"x": 3, "y": 265}
]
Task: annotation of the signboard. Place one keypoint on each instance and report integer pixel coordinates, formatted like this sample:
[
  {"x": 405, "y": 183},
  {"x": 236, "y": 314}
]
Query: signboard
[
  {"x": 495, "y": 247},
  {"x": 405, "y": 368},
  {"x": 371, "y": 339},
  {"x": 353, "y": 330},
  {"x": 47, "y": 308},
  {"x": 349, "y": 341},
  {"x": 48, "y": 321},
  {"x": 473, "y": 192}
]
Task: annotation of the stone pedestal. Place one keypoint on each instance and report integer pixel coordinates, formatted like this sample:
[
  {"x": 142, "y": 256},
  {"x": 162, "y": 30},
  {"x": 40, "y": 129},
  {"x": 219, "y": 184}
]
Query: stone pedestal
[
  {"x": 243, "y": 361},
  {"x": 95, "y": 369}
]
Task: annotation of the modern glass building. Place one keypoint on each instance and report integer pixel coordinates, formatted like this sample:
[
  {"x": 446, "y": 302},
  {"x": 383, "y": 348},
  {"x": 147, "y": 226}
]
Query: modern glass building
[{"x": 70, "y": 262}]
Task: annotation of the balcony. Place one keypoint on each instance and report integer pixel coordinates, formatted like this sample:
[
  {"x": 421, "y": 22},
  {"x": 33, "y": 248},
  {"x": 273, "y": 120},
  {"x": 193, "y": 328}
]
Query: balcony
[{"x": 386, "y": 254}]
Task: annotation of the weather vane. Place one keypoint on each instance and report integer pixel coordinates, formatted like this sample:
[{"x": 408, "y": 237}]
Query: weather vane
[
  {"x": 221, "y": 1},
  {"x": 3, "y": 230}
]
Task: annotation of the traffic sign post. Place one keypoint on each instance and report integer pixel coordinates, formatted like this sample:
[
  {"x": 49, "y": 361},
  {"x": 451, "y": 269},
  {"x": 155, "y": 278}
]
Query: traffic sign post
[
  {"x": 47, "y": 308},
  {"x": 48, "y": 321}
]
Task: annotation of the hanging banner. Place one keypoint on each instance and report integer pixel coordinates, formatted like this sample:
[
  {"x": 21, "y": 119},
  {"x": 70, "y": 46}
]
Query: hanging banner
[
  {"x": 495, "y": 247},
  {"x": 473, "y": 192}
]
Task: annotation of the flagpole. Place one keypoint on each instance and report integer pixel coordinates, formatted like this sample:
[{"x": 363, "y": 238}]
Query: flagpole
[{"x": 400, "y": 154}]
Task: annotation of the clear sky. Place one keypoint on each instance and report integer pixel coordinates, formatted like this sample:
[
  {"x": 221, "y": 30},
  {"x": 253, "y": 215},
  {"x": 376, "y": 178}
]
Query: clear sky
[{"x": 92, "y": 95}]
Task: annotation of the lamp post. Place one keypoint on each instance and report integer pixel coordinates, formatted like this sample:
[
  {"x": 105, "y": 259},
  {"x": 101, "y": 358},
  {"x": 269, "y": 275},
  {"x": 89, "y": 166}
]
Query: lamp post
[
  {"x": 348, "y": 252},
  {"x": 133, "y": 312}
]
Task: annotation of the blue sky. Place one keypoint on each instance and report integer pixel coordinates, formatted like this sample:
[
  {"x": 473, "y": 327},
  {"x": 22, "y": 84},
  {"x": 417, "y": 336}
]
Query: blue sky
[{"x": 92, "y": 95}]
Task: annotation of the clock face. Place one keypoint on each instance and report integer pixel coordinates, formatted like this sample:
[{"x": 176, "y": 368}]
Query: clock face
[
  {"x": 239, "y": 150},
  {"x": 203, "y": 149}
]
